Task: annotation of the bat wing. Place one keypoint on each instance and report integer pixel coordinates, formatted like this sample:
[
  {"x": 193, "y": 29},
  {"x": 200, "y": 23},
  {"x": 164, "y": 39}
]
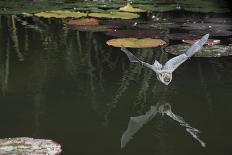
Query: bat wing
[
  {"x": 175, "y": 62},
  {"x": 131, "y": 57},
  {"x": 135, "y": 124}
]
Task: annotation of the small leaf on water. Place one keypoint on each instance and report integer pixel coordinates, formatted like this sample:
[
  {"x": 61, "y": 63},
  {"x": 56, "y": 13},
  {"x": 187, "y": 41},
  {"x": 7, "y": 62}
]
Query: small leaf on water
[
  {"x": 130, "y": 8},
  {"x": 85, "y": 21},
  {"x": 135, "y": 43},
  {"x": 61, "y": 14}
]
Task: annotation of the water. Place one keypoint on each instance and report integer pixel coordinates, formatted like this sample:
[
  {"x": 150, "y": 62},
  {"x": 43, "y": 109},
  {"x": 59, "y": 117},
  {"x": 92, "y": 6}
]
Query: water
[{"x": 71, "y": 87}]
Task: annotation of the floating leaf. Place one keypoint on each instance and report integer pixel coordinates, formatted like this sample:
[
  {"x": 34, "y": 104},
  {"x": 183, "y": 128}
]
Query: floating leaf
[
  {"x": 207, "y": 9},
  {"x": 137, "y": 33},
  {"x": 119, "y": 22},
  {"x": 206, "y": 51},
  {"x": 24, "y": 145},
  {"x": 136, "y": 123},
  {"x": 130, "y": 8},
  {"x": 135, "y": 43},
  {"x": 96, "y": 28},
  {"x": 183, "y": 36},
  {"x": 85, "y": 21},
  {"x": 61, "y": 14},
  {"x": 212, "y": 32},
  {"x": 199, "y": 26},
  {"x": 209, "y": 41},
  {"x": 114, "y": 14}
]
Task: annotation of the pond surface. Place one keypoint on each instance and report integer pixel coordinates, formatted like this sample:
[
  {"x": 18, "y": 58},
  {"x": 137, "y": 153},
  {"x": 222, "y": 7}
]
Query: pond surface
[{"x": 69, "y": 86}]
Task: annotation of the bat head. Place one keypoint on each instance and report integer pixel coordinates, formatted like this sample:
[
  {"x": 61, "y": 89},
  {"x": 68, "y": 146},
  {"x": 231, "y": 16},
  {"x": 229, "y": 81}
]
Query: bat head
[{"x": 165, "y": 77}]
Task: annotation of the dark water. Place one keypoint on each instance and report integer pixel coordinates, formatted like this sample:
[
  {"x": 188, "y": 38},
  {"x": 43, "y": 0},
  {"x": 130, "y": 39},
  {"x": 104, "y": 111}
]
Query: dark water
[{"x": 71, "y": 87}]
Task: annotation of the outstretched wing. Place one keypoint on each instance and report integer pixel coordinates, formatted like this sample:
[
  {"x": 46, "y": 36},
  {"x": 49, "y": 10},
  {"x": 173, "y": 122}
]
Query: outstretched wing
[
  {"x": 130, "y": 56},
  {"x": 175, "y": 62}
]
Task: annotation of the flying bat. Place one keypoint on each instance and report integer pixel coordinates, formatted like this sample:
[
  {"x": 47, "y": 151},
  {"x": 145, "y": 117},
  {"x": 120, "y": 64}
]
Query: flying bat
[{"x": 164, "y": 72}]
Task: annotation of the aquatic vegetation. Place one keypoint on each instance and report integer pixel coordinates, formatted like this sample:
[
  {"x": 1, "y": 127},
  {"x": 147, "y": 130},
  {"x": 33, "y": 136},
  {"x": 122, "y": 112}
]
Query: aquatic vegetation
[
  {"x": 114, "y": 14},
  {"x": 138, "y": 33},
  {"x": 61, "y": 14},
  {"x": 207, "y": 51},
  {"x": 92, "y": 28},
  {"x": 24, "y": 145},
  {"x": 85, "y": 21},
  {"x": 164, "y": 72},
  {"x": 183, "y": 36},
  {"x": 135, "y": 43},
  {"x": 130, "y": 8},
  {"x": 209, "y": 41}
]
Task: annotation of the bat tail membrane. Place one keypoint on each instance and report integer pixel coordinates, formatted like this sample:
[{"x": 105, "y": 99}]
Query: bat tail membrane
[
  {"x": 197, "y": 46},
  {"x": 131, "y": 57}
]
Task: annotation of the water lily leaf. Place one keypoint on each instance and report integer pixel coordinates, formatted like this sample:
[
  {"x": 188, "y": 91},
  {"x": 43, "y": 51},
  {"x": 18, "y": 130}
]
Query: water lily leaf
[
  {"x": 119, "y": 22},
  {"x": 209, "y": 41},
  {"x": 114, "y": 14},
  {"x": 137, "y": 33},
  {"x": 24, "y": 145},
  {"x": 206, "y": 51},
  {"x": 212, "y": 32},
  {"x": 130, "y": 8},
  {"x": 61, "y": 14},
  {"x": 183, "y": 36},
  {"x": 166, "y": 8},
  {"x": 199, "y": 26},
  {"x": 135, "y": 43},
  {"x": 207, "y": 9},
  {"x": 93, "y": 28},
  {"x": 219, "y": 20},
  {"x": 85, "y": 21}
]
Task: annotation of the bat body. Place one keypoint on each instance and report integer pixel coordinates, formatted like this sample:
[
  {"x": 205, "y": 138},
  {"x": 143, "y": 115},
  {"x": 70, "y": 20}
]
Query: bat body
[{"x": 164, "y": 72}]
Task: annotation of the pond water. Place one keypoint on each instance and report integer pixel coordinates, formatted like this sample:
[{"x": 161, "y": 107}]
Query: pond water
[{"x": 68, "y": 85}]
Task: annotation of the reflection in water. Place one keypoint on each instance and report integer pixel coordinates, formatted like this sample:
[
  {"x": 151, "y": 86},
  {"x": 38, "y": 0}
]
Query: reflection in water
[{"x": 138, "y": 122}]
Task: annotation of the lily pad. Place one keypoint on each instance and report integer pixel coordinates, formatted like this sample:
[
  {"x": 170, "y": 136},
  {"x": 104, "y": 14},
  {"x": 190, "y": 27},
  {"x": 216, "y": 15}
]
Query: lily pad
[
  {"x": 114, "y": 14},
  {"x": 199, "y": 26},
  {"x": 24, "y": 145},
  {"x": 206, "y": 51},
  {"x": 135, "y": 43},
  {"x": 61, "y": 14},
  {"x": 137, "y": 33},
  {"x": 85, "y": 21},
  {"x": 207, "y": 9},
  {"x": 209, "y": 41},
  {"x": 119, "y": 22},
  {"x": 130, "y": 8},
  {"x": 183, "y": 36},
  {"x": 212, "y": 32},
  {"x": 96, "y": 28}
]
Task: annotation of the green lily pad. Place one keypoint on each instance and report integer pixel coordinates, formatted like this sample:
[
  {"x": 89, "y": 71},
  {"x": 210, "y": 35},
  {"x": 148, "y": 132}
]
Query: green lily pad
[
  {"x": 114, "y": 14},
  {"x": 206, "y": 51},
  {"x": 24, "y": 145},
  {"x": 135, "y": 43},
  {"x": 61, "y": 14},
  {"x": 85, "y": 21}
]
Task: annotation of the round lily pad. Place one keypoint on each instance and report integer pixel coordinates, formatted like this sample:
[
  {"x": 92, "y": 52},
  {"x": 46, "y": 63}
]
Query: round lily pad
[
  {"x": 137, "y": 33},
  {"x": 199, "y": 26},
  {"x": 135, "y": 43},
  {"x": 209, "y": 41},
  {"x": 207, "y": 9},
  {"x": 206, "y": 51},
  {"x": 61, "y": 14},
  {"x": 114, "y": 14},
  {"x": 212, "y": 32},
  {"x": 85, "y": 21},
  {"x": 24, "y": 145},
  {"x": 130, "y": 8}
]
